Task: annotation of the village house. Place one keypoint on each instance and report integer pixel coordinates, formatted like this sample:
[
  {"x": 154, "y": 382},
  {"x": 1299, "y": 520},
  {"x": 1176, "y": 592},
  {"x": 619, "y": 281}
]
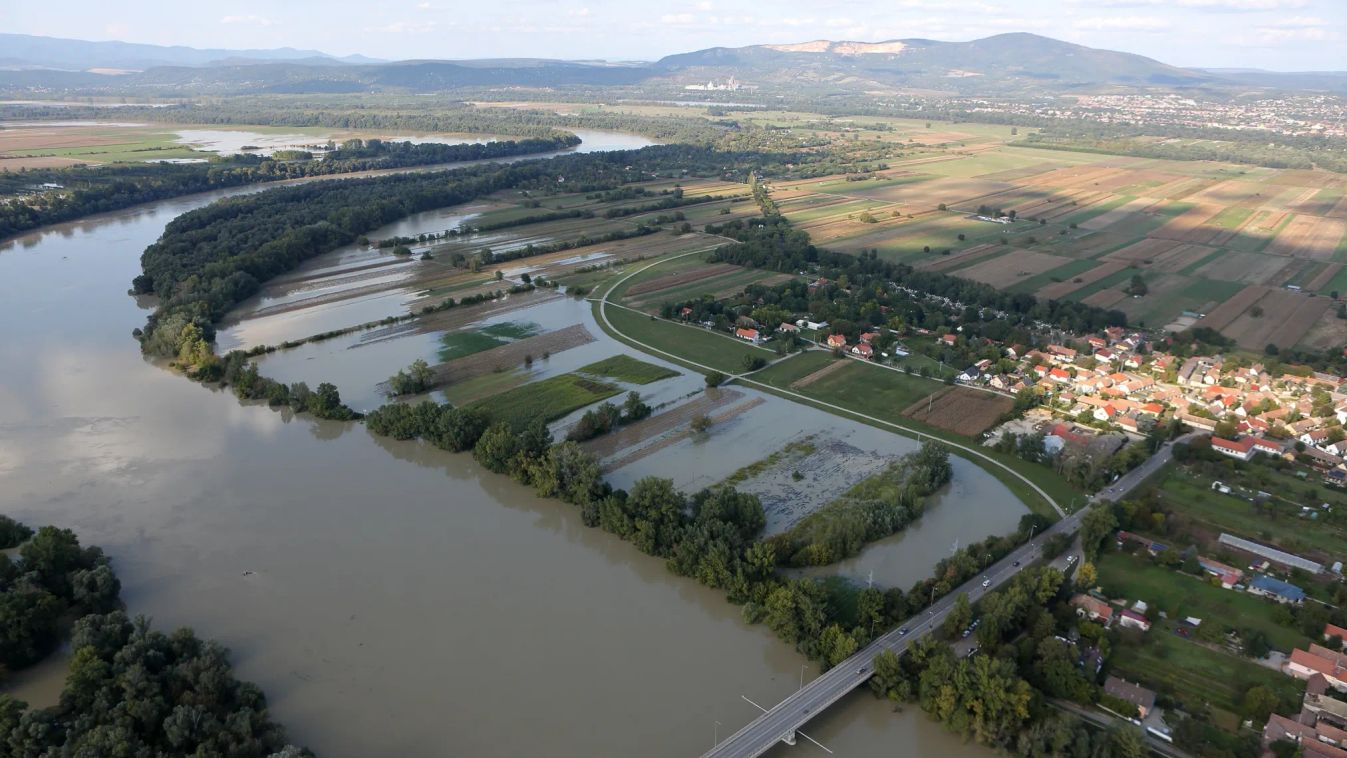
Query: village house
[
  {"x": 1314, "y": 743},
  {"x": 1060, "y": 354},
  {"x": 837, "y": 340},
  {"x": 1134, "y": 620},
  {"x": 748, "y": 334},
  {"x": 1241, "y": 449},
  {"x": 1126, "y": 691},
  {"x": 1332, "y": 665},
  {"x": 1229, "y": 576},
  {"x": 788, "y": 328},
  {"x": 1270, "y": 587},
  {"x": 1093, "y": 608},
  {"x": 950, "y": 339},
  {"x": 864, "y": 351},
  {"x": 1332, "y": 630}
]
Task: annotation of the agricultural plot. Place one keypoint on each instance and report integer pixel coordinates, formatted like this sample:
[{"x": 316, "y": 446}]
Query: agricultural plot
[
  {"x": 625, "y": 368},
  {"x": 1016, "y": 266},
  {"x": 549, "y": 400},
  {"x": 961, "y": 410}
]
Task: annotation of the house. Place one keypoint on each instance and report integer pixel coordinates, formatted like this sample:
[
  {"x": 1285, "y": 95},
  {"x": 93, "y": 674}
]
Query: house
[
  {"x": 685, "y": 312},
  {"x": 1093, "y": 608},
  {"x": 970, "y": 374},
  {"x": 837, "y": 340},
  {"x": 949, "y": 339},
  {"x": 1133, "y": 620},
  {"x": 1318, "y": 702},
  {"x": 1096, "y": 341},
  {"x": 1314, "y": 741},
  {"x": 1139, "y": 696},
  {"x": 1060, "y": 354},
  {"x": 869, "y": 337},
  {"x": 1282, "y": 592},
  {"x": 1229, "y": 575},
  {"x": 1059, "y": 375},
  {"x": 1304, "y": 664},
  {"x": 1129, "y": 423},
  {"x": 1014, "y": 352},
  {"x": 1331, "y": 631},
  {"x": 864, "y": 351},
  {"x": 788, "y": 328},
  {"x": 1241, "y": 449},
  {"x": 817, "y": 326},
  {"x": 748, "y": 334}
]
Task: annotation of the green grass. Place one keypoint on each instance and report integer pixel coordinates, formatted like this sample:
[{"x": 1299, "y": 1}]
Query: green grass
[
  {"x": 549, "y": 399},
  {"x": 690, "y": 343},
  {"x": 729, "y": 281},
  {"x": 797, "y": 449},
  {"x": 663, "y": 268},
  {"x": 1064, "y": 273},
  {"x": 1230, "y": 218},
  {"x": 460, "y": 344},
  {"x": 1109, "y": 282},
  {"x": 1181, "y": 595},
  {"x": 1097, "y": 209},
  {"x": 624, "y": 368},
  {"x": 1196, "y": 675},
  {"x": 1193, "y": 497}
]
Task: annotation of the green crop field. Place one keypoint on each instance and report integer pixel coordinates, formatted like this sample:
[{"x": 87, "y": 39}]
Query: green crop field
[
  {"x": 460, "y": 344},
  {"x": 549, "y": 399},
  {"x": 625, "y": 368}
]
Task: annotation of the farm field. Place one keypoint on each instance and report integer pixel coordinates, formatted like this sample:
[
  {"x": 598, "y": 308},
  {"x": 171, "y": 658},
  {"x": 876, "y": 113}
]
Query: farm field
[
  {"x": 549, "y": 399},
  {"x": 961, "y": 410},
  {"x": 719, "y": 351},
  {"x": 1198, "y": 233},
  {"x": 624, "y": 368}
]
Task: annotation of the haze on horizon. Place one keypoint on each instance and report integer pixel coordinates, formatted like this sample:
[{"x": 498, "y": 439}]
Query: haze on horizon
[{"x": 1283, "y": 35}]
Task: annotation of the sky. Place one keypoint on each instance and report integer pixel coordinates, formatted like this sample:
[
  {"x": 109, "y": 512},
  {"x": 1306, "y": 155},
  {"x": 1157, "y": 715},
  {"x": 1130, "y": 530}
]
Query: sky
[{"x": 1286, "y": 35}]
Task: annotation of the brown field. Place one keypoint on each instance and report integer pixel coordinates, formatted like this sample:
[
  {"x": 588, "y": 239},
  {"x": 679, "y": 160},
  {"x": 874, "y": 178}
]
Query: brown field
[
  {"x": 955, "y": 260},
  {"x": 15, "y": 163},
  {"x": 669, "y": 281},
  {"x": 507, "y": 356},
  {"x": 1191, "y": 225},
  {"x": 1328, "y": 334},
  {"x": 1306, "y": 178},
  {"x": 54, "y": 138},
  {"x": 1118, "y": 214},
  {"x": 1287, "y": 316},
  {"x": 1309, "y": 237},
  {"x": 1181, "y": 257},
  {"x": 770, "y": 280},
  {"x": 1147, "y": 249},
  {"x": 1013, "y": 268},
  {"x": 1339, "y": 210},
  {"x": 1221, "y": 316},
  {"x": 1249, "y": 268},
  {"x": 1105, "y": 298},
  {"x": 1234, "y": 192},
  {"x": 961, "y": 410},
  {"x": 1179, "y": 189},
  {"x": 1058, "y": 290},
  {"x": 457, "y": 318},
  {"x": 964, "y": 193},
  {"x": 1322, "y": 278},
  {"x": 1016, "y": 174}
]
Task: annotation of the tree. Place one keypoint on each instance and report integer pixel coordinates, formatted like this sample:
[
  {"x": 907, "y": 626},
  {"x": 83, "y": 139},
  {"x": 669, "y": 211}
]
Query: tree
[
  {"x": 1258, "y": 703},
  {"x": 959, "y": 617},
  {"x": 1137, "y": 286},
  {"x": 1086, "y": 575},
  {"x": 496, "y": 448},
  {"x": 715, "y": 379},
  {"x": 700, "y": 423},
  {"x": 1095, "y": 525}
]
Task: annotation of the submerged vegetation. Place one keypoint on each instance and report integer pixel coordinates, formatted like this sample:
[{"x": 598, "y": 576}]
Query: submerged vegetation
[{"x": 875, "y": 507}]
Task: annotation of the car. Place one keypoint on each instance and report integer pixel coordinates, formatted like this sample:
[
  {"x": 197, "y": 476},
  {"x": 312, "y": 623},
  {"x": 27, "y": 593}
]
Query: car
[
  {"x": 1016, "y": 563},
  {"x": 967, "y": 632},
  {"x": 975, "y": 624},
  {"x": 986, "y": 582},
  {"x": 1070, "y": 560},
  {"x": 861, "y": 670},
  {"x": 902, "y": 631}
]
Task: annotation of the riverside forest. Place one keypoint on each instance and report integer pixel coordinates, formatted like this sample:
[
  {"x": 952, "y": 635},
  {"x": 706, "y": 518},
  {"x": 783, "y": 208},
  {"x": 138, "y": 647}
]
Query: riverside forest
[{"x": 869, "y": 397}]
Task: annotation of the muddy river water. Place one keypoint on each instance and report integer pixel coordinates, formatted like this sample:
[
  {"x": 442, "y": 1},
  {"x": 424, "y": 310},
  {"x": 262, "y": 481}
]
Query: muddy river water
[{"x": 389, "y": 598}]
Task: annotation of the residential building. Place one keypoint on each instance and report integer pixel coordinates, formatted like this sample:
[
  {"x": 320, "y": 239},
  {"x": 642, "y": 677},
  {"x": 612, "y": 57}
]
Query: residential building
[
  {"x": 1142, "y": 698},
  {"x": 1276, "y": 589},
  {"x": 1134, "y": 620},
  {"x": 1093, "y": 608},
  {"x": 864, "y": 351},
  {"x": 748, "y": 334},
  {"x": 1304, "y": 664},
  {"x": 1241, "y": 449}
]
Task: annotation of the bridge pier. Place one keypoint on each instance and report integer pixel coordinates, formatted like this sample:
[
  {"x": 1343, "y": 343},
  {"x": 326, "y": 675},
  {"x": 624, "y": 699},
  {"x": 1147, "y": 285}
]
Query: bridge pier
[{"x": 789, "y": 737}]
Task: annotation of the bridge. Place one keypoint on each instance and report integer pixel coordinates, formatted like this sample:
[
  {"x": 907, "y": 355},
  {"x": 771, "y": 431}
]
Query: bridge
[{"x": 780, "y": 723}]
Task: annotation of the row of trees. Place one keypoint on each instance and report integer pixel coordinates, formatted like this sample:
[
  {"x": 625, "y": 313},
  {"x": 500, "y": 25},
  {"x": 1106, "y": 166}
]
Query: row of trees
[
  {"x": 131, "y": 690},
  {"x": 608, "y": 417},
  {"x": 83, "y": 191}
]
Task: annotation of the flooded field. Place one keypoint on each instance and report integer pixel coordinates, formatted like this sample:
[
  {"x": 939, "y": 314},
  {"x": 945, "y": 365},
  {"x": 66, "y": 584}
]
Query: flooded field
[{"x": 391, "y": 599}]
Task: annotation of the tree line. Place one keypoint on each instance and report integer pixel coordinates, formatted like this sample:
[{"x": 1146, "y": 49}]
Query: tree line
[
  {"x": 131, "y": 690},
  {"x": 82, "y": 191}
]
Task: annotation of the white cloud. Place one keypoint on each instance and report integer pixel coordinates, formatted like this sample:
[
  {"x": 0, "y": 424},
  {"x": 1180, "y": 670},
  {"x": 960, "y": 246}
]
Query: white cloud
[
  {"x": 678, "y": 19},
  {"x": 1122, "y": 24},
  {"x": 249, "y": 20},
  {"x": 834, "y": 23},
  {"x": 1218, "y": 5},
  {"x": 1300, "y": 22},
  {"x": 705, "y": 5},
  {"x": 404, "y": 27},
  {"x": 579, "y": 12}
]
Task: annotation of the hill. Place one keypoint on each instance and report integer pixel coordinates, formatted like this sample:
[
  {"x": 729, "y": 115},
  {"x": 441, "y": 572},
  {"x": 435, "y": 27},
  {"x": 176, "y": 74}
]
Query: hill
[{"x": 24, "y": 51}]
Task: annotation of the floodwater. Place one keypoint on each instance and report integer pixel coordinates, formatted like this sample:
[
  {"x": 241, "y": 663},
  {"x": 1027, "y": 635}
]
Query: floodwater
[{"x": 391, "y": 599}]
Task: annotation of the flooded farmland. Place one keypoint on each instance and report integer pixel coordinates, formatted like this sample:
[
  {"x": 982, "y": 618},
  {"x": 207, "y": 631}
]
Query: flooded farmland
[{"x": 389, "y": 598}]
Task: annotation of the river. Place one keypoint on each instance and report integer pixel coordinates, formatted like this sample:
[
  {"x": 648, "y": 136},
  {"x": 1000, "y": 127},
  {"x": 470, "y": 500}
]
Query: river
[{"x": 389, "y": 598}]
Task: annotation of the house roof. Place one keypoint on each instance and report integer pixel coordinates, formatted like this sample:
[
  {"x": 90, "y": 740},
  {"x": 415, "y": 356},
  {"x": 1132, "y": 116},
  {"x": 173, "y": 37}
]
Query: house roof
[
  {"x": 1265, "y": 583},
  {"x": 1131, "y": 614},
  {"x": 1132, "y": 693},
  {"x": 1243, "y": 445},
  {"x": 1331, "y": 630},
  {"x": 1094, "y": 605}
]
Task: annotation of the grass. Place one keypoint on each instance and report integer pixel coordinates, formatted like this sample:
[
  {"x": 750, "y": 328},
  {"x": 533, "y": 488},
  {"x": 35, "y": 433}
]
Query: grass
[
  {"x": 624, "y": 368},
  {"x": 512, "y": 330},
  {"x": 1193, "y": 497},
  {"x": 479, "y": 387},
  {"x": 1181, "y": 595},
  {"x": 1063, "y": 273},
  {"x": 548, "y": 400},
  {"x": 1197, "y": 675},
  {"x": 690, "y": 343}
]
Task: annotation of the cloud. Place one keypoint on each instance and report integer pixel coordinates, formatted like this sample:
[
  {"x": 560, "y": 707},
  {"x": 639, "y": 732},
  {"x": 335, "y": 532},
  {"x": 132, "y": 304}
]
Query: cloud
[
  {"x": 1300, "y": 22},
  {"x": 404, "y": 27},
  {"x": 1122, "y": 24},
  {"x": 705, "y": 5},
  {"x": 579, "y": 12},
  {"x": 678, "y": 19},
  {"x": 1215, "y": 5},
  {"x": 249, "y": 20}
]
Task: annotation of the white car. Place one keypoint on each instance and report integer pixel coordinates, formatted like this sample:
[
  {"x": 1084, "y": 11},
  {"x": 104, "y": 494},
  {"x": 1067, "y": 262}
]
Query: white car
[
  {"x": 986, "y": 583},
  {"x": 1070, "y": 560}
]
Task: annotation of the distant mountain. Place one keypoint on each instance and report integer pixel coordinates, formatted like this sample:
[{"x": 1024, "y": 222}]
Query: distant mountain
[
  {"x": 985, "y": 65},
  {"x": 1005, "y": 65},
  {"x": 23, "y": 51}
]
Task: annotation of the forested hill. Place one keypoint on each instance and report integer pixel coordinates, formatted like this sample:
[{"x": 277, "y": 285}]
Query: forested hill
[{"x": 76, "y": 192}]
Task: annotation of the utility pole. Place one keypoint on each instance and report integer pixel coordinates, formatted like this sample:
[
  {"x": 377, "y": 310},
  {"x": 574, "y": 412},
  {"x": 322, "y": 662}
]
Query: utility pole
[
  {"x": 715, "y": 735},
  {"x": 802, "y": 667},
  {"x": 870, "y": 582}
]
